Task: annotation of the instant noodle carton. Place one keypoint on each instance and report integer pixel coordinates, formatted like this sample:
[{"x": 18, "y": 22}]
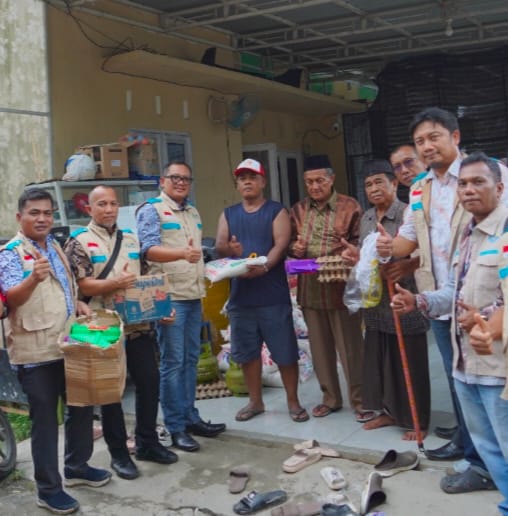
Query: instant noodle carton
[{"x": 148, "y": 300}]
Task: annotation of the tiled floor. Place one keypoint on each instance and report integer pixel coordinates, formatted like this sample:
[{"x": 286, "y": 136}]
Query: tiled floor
[{"x": 338, "y": 429}]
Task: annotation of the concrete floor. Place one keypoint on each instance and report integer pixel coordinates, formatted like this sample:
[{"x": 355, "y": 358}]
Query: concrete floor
[{"x": 197, "y": 484}]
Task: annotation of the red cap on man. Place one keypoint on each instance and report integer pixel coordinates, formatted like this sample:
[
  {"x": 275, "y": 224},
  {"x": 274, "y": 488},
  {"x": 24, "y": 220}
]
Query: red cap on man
[{"x": 251, "y": 165}]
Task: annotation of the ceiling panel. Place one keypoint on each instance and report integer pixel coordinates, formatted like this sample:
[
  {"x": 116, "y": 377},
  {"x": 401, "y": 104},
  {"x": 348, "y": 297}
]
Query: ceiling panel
[{"x": 339, "y": 37}]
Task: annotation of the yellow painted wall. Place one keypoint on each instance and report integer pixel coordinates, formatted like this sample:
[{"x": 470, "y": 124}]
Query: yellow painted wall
[{"x": 88, "y": 106}]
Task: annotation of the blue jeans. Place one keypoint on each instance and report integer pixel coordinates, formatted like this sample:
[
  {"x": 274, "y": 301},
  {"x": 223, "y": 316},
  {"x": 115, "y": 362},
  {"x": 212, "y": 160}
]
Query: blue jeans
[
  {"x": 442, "y": 334},
  {"x": 180, "y": 346},
  {"x": 487, "y": 420}
]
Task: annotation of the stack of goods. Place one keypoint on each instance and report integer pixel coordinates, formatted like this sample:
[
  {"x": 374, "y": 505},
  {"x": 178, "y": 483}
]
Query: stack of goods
[{"x": 94, "y": 356}]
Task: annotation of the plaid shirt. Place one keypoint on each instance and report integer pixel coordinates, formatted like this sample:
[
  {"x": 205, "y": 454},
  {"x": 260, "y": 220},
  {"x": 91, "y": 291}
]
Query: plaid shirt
[{"x": 322, "y": 230}]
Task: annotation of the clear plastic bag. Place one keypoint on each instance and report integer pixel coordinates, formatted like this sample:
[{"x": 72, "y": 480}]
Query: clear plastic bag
[{"x": 364, "y": 287}]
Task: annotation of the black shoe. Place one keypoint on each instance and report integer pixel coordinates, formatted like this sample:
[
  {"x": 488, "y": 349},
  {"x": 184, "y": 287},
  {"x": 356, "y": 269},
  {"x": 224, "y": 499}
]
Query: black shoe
[
  {"x": 445, "y": 433},
  {"x": 449, "y": 451},
  {"x": 183, "y": 441},
  {"x": 206, "y": 429},
  {"x": 125, "y": 468},
  {"x": 466, "y": 482},
  {"x": 156, "y": 453}
]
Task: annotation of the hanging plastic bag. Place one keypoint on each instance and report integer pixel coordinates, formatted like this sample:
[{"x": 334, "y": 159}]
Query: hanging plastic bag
[{"x": 364, "y": 287}]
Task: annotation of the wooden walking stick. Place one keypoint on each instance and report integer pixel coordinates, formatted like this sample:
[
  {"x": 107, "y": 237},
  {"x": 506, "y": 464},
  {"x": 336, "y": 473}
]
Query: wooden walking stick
[{"x": 405, "y": 370}]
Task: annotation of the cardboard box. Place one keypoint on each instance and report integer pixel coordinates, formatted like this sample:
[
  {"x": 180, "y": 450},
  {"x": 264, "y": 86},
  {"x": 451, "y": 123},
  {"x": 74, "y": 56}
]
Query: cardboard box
[
  {"x": 143, "y": 159},
  {"x": 110, "y": 160},
  {"x": 93, "y": 375},
  {"x": 149, "y": 300}
]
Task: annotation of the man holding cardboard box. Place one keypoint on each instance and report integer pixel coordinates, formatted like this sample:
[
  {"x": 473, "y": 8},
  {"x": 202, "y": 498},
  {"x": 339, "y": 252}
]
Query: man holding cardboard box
[
  {"x": 90, "y": 250},
  {"x": 41, "y": 296},
  {"x": 169, "y": 229}
]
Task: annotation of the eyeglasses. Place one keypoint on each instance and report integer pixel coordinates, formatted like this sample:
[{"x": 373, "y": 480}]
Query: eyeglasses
[
  {"x": 318, "y": 181},
  {"x": 175, "y": 179},
  {"x": 406, "y": 163}
]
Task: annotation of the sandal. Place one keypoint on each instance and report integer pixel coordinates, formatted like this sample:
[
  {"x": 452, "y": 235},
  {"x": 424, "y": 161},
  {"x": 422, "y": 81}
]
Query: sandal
[
  {"x": 255, "y": 501},
  {"x": 247, "y": 412},
  {"x": 323, "y": 410},
  {"x": 367, "y": 415},
  {"x": 238, "y": 478},
  {"x": 312, "y": 444},
  {"x": 300, "y": 459},
  {"x": 299, "y": 415}
]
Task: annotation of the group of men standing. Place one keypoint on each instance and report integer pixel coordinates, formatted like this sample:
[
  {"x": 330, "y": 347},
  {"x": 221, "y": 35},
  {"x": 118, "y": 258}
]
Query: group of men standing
[{"x": 41, "y": 284}]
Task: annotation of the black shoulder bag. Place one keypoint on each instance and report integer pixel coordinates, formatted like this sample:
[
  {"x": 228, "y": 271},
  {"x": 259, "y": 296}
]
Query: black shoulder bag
[{"x": 111, "y": 262}]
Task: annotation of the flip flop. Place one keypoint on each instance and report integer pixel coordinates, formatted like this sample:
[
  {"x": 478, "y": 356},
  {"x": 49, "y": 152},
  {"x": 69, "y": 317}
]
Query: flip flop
[
  {"x": 333, "y": 477},
  {"x": 372, "y": 494},
  {"x": 312, "y": 444},
  {"x": 300, "y": 459},
  {"x": 246, "y": 413},
  {"x": 367, "y": 415},
  {"x": 297, "y": 509},
  {"x": 299, "y": 415},
  {"x": 255, "y": 501},
  {"x": 323, "y": 410},
  {"x": 238, "y": 478}
]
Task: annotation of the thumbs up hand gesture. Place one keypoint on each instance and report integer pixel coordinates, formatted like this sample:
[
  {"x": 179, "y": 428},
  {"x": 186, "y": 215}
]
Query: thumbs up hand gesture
[
  {"x": 190, "y": 253},
  {"x": 403, "y": 301},
  {"x": 41, "y": 268},
  {"x": 480, "y": 336},
  {"x": 126, "y": 279},
  {"x": 236, "y": 248},
  {"x": 299, "y": 247},
  {"x": 350, "y": 253},
  {"x": 384, "y": 242}
]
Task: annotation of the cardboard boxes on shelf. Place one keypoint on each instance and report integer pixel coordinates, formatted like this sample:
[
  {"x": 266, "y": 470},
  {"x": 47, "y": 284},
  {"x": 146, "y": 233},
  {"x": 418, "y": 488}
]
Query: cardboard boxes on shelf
[
  {"x": 110, "y": 160},
  {"x": 143, "y": 155}
]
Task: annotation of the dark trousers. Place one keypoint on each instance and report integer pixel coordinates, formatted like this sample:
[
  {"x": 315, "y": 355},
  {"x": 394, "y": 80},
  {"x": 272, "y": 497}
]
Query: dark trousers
[
  {"x": 384, "y": 385},
  {"x": 43, "y": 385},
  {"x": 144, "y": 372},
  {"x": 462, "y": 438}
]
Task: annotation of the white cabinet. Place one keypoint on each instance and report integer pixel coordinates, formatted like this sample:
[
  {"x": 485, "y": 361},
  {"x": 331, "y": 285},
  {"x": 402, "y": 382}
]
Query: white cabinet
[{"x": 71, "y": 196}]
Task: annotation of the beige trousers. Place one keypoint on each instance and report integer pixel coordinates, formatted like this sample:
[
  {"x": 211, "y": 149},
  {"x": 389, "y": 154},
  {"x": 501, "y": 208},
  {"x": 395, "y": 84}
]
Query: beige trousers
[{"x": 332, "y": 331}]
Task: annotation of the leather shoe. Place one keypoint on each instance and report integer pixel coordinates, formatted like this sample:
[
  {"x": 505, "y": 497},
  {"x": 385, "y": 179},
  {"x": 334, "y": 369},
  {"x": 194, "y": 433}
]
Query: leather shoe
[
  {"x": 450, "y": 451},
  {"x": 156, "y": 453},
  {"x": 124, "y": 468},
  {"x": 206, "y": 429},
  {"x": 445, "y": 433},
  {"x": 183, "y": 441}
]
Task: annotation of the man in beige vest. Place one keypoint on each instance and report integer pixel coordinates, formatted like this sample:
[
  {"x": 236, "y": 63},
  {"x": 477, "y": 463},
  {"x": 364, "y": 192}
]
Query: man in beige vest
[
  {"x": 88, "y": 251},
  {"x": 41, "y": 295},
  {"x": 169, "y": 229},
  {"x": 473, "y": 292},
  {"x": 433, "y": 223}
]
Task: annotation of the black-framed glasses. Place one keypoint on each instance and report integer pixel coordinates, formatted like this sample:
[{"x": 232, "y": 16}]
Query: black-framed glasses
[
  {"x": 175, "y": 179},
  {"x": 407, "y": 163}
]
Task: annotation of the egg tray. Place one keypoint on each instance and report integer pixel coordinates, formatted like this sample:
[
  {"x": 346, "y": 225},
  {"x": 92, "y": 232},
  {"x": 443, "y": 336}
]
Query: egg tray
[
  {"x": 332, "y": 269},
  {"x": 218, "y": 389}
]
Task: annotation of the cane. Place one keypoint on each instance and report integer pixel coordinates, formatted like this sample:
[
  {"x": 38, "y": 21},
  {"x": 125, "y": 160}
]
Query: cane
[{"x": 405, "y": 370}]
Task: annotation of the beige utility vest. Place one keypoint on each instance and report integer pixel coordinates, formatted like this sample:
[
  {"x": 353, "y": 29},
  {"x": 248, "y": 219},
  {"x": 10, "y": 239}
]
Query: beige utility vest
[
  {"x": 480, "y": 289},
  {"x": 98, "y": 244},
  {"x": 177, "y": 226},
  {"x": 503, "y": 276},
  {"x": 419, "y": 203},
  {"x": 34, "y": 326}
]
